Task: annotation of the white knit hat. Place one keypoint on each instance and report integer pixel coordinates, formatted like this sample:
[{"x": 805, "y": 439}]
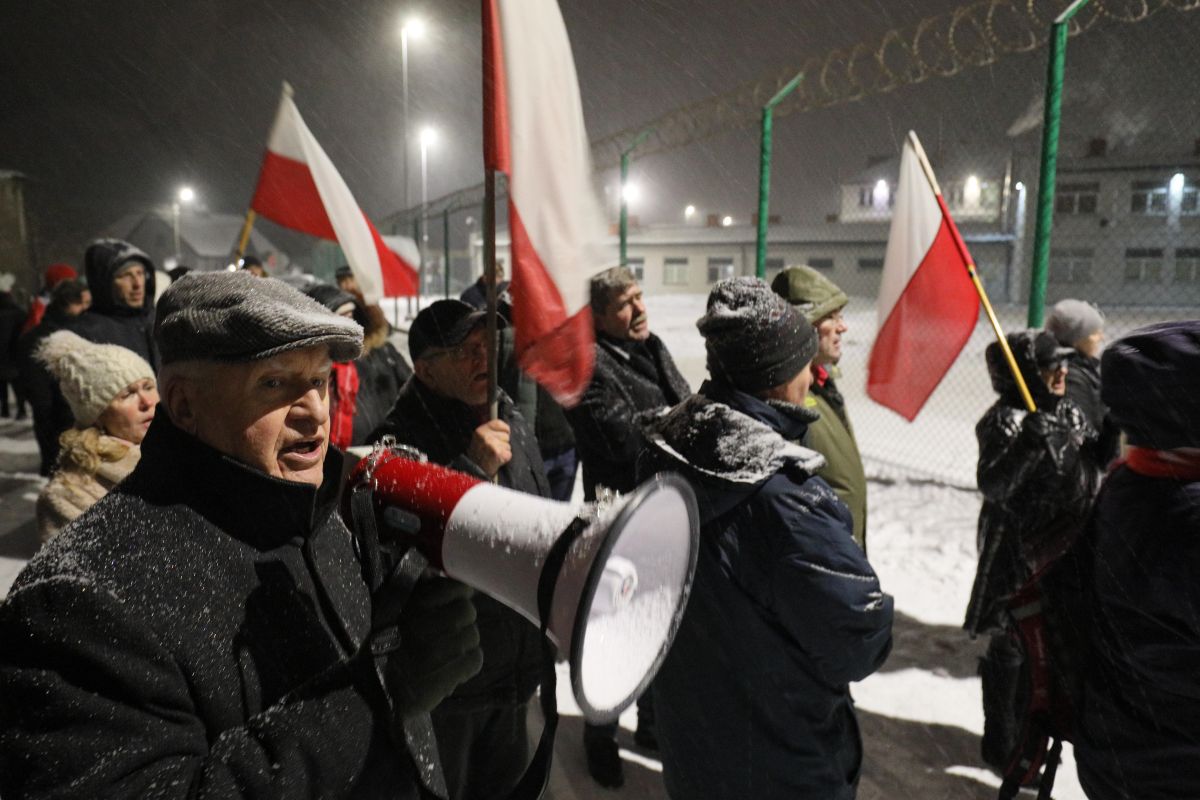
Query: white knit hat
[{"x": 90, "y": 375}]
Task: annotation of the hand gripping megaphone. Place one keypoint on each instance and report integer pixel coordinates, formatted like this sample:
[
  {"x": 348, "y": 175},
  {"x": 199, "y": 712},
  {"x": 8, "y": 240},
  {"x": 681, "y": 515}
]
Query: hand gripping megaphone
[{"x": 617, "y": 577}]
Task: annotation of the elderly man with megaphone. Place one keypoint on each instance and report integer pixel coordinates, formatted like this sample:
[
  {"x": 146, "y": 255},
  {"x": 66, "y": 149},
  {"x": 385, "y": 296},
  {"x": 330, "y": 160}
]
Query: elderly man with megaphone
[{"x": 206, "y": 629}]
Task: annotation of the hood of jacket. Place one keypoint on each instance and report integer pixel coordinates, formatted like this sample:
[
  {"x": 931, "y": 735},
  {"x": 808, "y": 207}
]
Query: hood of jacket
[
  {"x": 731, "y": 441},
  {"x": 100, "y": 264}
]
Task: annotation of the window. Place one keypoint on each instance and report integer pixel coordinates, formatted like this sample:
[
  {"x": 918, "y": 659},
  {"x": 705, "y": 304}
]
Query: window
[
  {"x": 719, "y": 269},
  {"x": 1187, "y": 265},
  {"x": 1143, "y": 265},
  {"x": 638, "y": 267},
  {"x": 870, "y": 263},
  {"x": 1149, "y": 198},
  {"x": 1077, "y": 198},
  {"x": 821, "y": 263},
  {"x": 675, "y": 272},
  {"x": 1189, "y": 201},
  {"x": 1071, "y": 266}
]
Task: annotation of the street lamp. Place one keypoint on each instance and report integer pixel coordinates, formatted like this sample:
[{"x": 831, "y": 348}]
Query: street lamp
[
  {"x": 726, "y": 221},
  {"x": 631, "y": 193},
  {"x": 689, "y": 212},
  {"x": 428, "y": 139},
  {"x": 412, "y": 28},
  {"x": 184, "y": 197}
]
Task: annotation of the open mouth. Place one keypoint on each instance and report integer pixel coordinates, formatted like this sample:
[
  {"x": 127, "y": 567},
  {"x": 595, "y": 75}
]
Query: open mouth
[{"x": 305, "y": 448}]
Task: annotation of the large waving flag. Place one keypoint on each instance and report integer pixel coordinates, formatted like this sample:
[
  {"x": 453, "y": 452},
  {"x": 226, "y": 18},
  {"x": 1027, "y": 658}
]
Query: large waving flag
[
  {"x": 928, "y": 305},
  {"x": 534, "y": 132},
  {"x": 300, "y": 189}
]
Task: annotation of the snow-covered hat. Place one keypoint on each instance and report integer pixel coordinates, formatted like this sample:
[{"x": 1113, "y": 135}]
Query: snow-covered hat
[
  {"x": 755, "y": 340},
  {"x": 236, "y": 317},
  {"x": 90, "y": 375}
]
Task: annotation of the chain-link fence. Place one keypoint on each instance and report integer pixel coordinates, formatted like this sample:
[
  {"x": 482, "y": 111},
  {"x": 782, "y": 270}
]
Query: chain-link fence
[{"x": 1126, "y": 233}]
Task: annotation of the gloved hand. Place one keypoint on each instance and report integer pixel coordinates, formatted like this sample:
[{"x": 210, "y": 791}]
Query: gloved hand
[
  {"x": 1041, "y": 425},
  {"x": 438, "y": 645}
]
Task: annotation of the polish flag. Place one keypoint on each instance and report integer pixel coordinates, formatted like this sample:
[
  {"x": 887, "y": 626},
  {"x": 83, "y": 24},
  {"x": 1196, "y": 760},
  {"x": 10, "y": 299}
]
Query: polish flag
[
  {"x": 300, "y": 189},
  {"x": 533, "y": 131},
  {"x": 928, "y": 305}
]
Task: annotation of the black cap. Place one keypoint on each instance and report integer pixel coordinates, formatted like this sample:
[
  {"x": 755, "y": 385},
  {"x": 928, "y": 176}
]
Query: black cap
[
  {"x": 445, "y": 323},
  {"x": 1151, "y": 384},
  {"x": 343, "y": 271},
  {"x": 1047, "y": 353}
]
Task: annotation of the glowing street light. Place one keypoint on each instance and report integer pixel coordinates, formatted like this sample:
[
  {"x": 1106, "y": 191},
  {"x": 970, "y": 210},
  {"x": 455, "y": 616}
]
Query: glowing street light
[
  {"x": 971, "y": 191},
  {"x": 879, "y": 196},
  {"x": 411, "y": 28},
  {"x": 631, "y": 193},
  {"x": 689, "y": 212},
  {"x": 186, "y": 195},
  {"x": 726, "y": 221}
]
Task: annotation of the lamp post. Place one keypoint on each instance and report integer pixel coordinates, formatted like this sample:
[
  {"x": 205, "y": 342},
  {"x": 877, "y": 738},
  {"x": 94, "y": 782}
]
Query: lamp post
[
  {"x": 764, "y": 174},
  {"x": 428, "y": 139},
  {"x": 623, "y": 226},
  {"x": 413, "y": 28},
  {"x": 185, "y": 197}
]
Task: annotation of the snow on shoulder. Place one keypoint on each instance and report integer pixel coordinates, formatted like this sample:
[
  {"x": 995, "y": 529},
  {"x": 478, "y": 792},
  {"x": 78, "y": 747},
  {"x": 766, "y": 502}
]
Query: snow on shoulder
[{"x": 717, "y": 441}]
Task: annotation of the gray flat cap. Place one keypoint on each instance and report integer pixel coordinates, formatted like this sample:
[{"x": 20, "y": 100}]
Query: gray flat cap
[{"x": 234, "y": 316}]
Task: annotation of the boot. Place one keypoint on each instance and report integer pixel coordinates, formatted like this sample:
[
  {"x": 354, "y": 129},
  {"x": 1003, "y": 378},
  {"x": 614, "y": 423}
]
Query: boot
[{"x": 603, "y": 760}]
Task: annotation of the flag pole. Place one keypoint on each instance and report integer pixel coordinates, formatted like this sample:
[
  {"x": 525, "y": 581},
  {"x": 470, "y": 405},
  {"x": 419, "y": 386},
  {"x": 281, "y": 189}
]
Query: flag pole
[
  {"x": 489, "y": 278},
  {"x": 244, "y": 236},
  {"x": 973, "y": 273}
]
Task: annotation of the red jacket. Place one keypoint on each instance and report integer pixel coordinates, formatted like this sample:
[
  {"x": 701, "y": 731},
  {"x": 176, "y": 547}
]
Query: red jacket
[{"x": 343, "y": 395}]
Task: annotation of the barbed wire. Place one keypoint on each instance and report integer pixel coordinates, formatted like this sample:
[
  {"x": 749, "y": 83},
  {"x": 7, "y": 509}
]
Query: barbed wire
[{"x": 976, "y": 34}]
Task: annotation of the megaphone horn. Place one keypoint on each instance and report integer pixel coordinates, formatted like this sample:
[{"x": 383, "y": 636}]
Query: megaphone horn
[{"x": 624, "y": 578}]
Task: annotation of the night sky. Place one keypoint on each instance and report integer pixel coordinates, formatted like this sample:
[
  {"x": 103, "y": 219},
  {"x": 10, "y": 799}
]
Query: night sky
[{"x": 110, "y": 106}]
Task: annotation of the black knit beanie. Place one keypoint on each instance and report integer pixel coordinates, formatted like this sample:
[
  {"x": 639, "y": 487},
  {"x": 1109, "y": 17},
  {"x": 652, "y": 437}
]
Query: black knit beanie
[{"x": 754, "y": 338}]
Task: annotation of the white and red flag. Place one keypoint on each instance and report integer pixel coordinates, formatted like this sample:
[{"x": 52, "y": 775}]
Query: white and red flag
[
  {"x": 928, "y": 305},
  {"x": 533, "y": 132},
  {"x": 300, "y": 189}
]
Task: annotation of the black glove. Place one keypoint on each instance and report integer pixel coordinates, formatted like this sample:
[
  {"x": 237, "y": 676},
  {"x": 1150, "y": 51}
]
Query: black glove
[
  {"x": 1041, "y": 425},
  {"x": 431, "y": 647}
]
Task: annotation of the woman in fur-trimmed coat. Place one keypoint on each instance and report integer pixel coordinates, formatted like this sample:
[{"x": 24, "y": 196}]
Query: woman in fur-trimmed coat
[{"x": 90, "y": 464}]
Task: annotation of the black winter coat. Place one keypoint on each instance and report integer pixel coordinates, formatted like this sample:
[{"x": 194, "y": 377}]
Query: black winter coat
[
  {"x": 629, "y": 378},
  {"x": 51, "y": 413},
  {"x": 1140, "y": 724},
  {"x": 752, "y": 700},
  {"x": 1036, "y": 473},
  {"x": 382, "y": 371},
  {"x": 12, "y": 317},
  {"x": 108, "y": 322},
  {"x": 441, "y": 428},
  {"x": 1083, "y": 389},
  {"x": 190, "y": 637}
]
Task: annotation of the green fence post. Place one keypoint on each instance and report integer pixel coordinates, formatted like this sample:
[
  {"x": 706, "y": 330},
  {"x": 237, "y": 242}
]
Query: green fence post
[
  {"x": 764, "y": 174},
  {"x": 623, "y": 224},
  {"x": 1051, "y": 119}
]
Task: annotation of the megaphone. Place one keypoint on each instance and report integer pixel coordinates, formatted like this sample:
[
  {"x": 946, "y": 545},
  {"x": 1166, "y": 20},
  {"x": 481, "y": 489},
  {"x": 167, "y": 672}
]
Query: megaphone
[{"x": 623, "y": 571}]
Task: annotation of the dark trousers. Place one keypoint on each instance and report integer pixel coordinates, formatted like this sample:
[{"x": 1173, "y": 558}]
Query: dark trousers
[
  {"x": 19, "y": 394},
  {"x": 560, "y": 470},
  {"x": 484, "y": 753},
  {"x": 645, "y": 707}
]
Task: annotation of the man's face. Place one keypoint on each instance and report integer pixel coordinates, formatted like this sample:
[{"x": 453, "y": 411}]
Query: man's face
[
  {"x": 272, "y": 415},
  {"x": 348, "y": 284},
  {"x": 829, "y": 338},
  {"x": 625, "y": 318},
  {"x": 129, "y": 285},
  {"x": 1055, "y": 377},
  {"x": 1090, "y": 346},
  {"x": 256, "y": 270},
  {"x": 458, "y": 372}
]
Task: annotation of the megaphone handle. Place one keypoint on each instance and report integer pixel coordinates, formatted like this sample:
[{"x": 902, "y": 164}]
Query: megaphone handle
[{"x": 537, "y": 774}]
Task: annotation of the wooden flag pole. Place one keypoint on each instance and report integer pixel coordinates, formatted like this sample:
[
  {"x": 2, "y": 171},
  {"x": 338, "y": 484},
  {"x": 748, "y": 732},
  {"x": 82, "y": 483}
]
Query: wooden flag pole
[
  {"x": 974, "y": 275},
  {"x": 244, "y": 236}
]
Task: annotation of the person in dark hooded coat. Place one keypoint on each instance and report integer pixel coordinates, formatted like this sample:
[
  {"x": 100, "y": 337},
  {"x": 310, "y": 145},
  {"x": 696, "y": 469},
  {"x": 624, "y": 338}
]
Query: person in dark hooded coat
[
  {"x": 1139, "y": 730},
  {"x": 121, "y": 278},
  {"x": 753, "y": 700},
  {"x": 1080, "y": 326},
  {"x": 1036, "y": 476}
]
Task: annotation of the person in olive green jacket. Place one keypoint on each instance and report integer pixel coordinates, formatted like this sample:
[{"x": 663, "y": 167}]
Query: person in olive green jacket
[{"x": 832, "y": 435}]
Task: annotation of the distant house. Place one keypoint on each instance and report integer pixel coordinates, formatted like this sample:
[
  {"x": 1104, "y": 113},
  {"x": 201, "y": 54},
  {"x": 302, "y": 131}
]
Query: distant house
[{"x": 206, "y": 240}]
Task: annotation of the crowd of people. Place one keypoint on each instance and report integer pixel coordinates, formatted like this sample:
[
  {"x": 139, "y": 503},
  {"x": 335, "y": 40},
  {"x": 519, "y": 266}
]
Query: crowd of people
[{"x": 200, "y": 622}]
